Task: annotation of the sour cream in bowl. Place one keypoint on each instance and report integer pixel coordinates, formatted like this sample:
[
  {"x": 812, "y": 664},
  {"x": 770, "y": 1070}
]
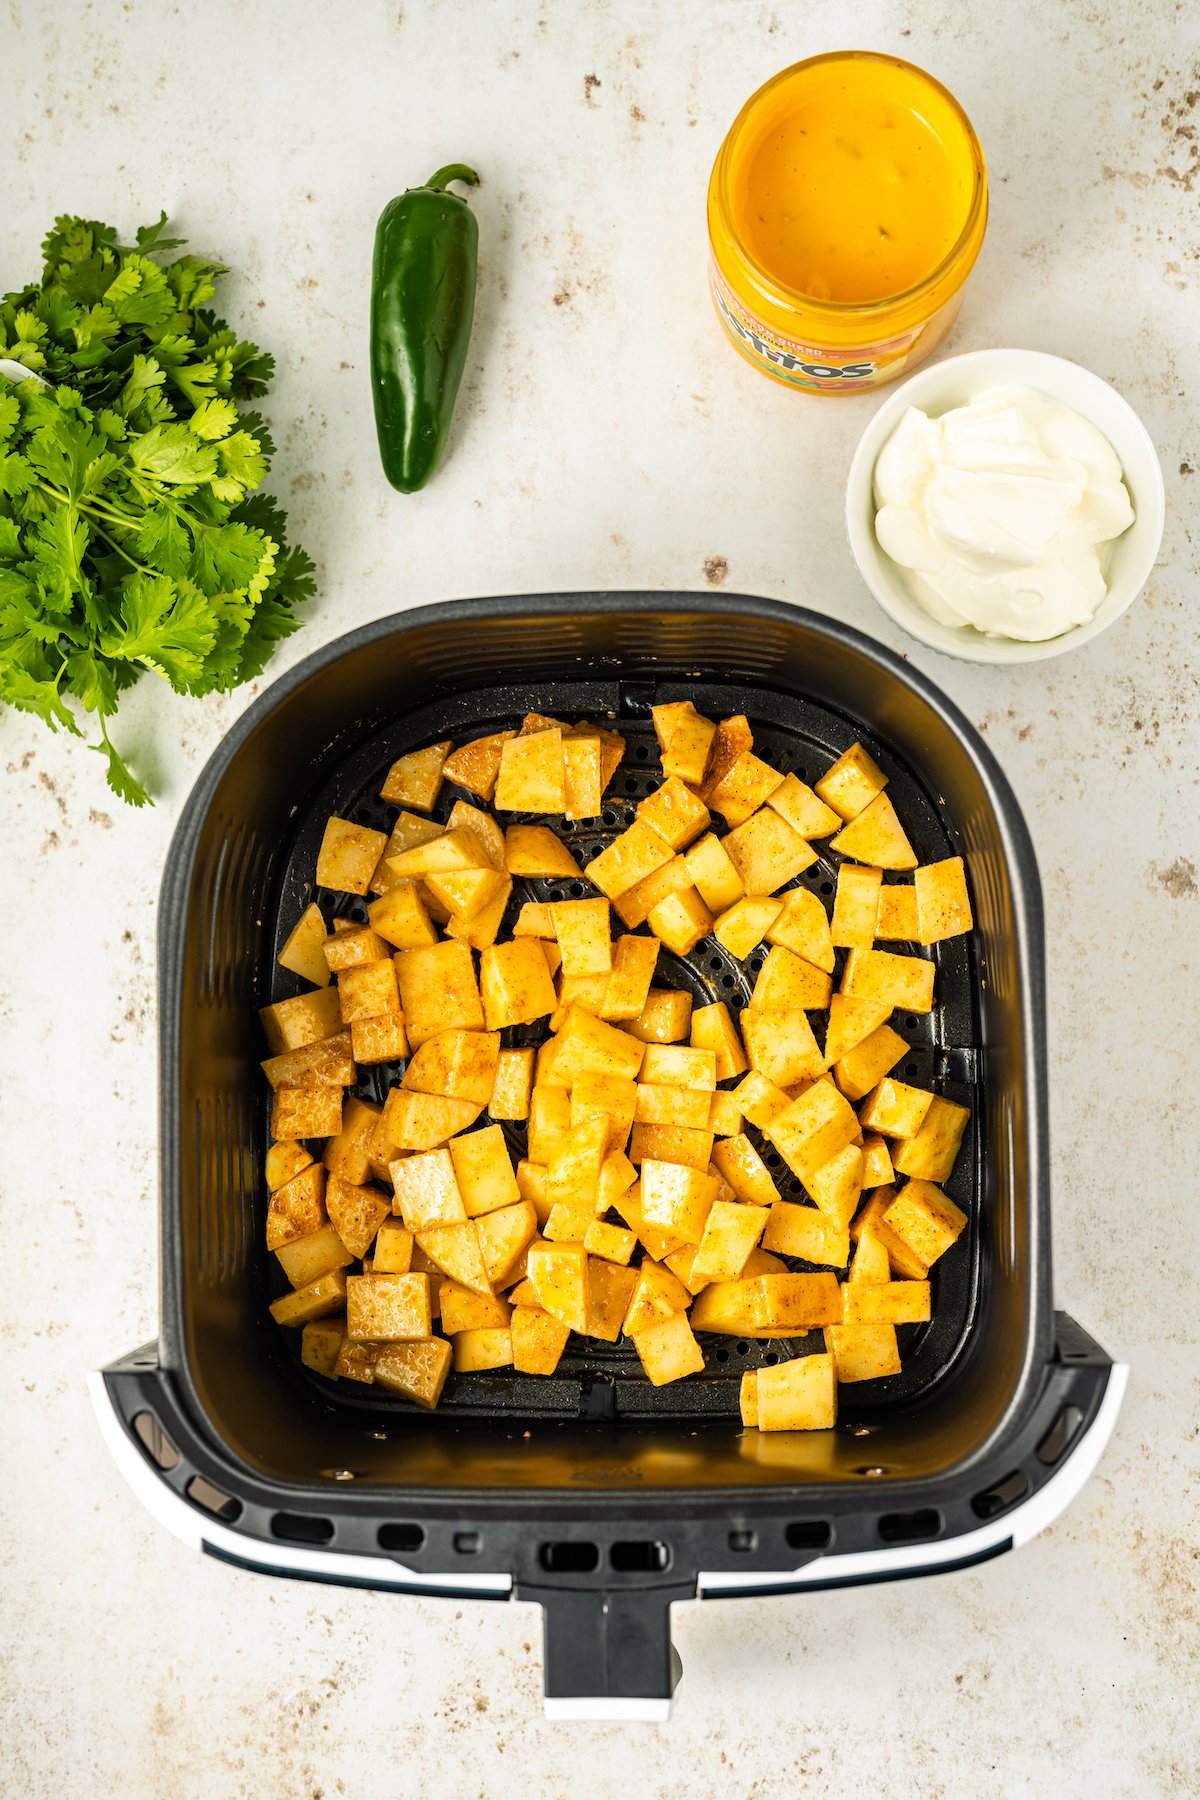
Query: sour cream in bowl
[{"x": 1005, "y": 506}]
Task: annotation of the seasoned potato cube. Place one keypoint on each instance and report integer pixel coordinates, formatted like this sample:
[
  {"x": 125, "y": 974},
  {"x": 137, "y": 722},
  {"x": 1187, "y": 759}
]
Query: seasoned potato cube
[
  {"x": 851, "y": 1022},
  {"x": 531, "y": 1184},
  {"x": 803, "y": 928},
  {"x": 455, "y": 1249},
  {"x": 630, "y": 857},
  {"x": 896, "y": 920},
  {"x": 635, "y": 906},
  {"x": 676, "y": 1196},
  {"x": 804, "y": 811},
  {"x": 320, "y": 1344},
  {"x": 417, "y": 1371},
  {"x": 353, "y": 949},
  {"x": 483, "y": 1170},
  {"x": 416, "y": 1121},
  {"x": 675, "y": 813},
  {"x": 856, "y": 906},
  {"x": 369, "y": 991},
  {"x": 925, "y": 1219},
  {"x": 748, "y": 1398},
  {"x": 894, "y": 1108},
  {"x": 807, "y": 1156},
  {"x": 714, "y": 1030},
  {"x": 901, "y": 981},
  {"x": 465, "y": 1310},
  {"x": 713, "y": 875},
  {"x": 740, "y": 791},
  {"x": 890, "y": 1303},
  {"x": 382, "y": 1308},
  {"x": 734, "y": 738},
  {"x": 613, "y": 1243},
  {"x": 348, "y": 856},
  {"x": 943, "y": 904},
  {"x": 724, "y": 1116},
  {"x": 760, "y": 1100},
  {"x": 685, "y": 740},
  {"x": 800, "y": 1395},
  {"x": 787, "y": 1303},
  {"x": 857, "y": 1072},
  {"x": 427, "y": 1191},
  {"x": 872, "y": 1213},
  {"x": 930, "y": 1152},
  {"x": 549, "y": 1121},
  {"x": 671, "y": 1065},
  {"x": 475, "y": 766},
  {"x": 416, "y": 779},
  {"x": 786, "y": 981},
  {"x": 583, "y": 933},
  {"x": 535, "y": 721},
  {"x": 862, "y": 1352},
  {"x": 610, "y": 1097},
  {"x": 851, "y": 783},
  {"x": 657, "y": 1294},
  {"x": 356, "y": 1213},
  {"x": 573, "y": 1174},
  {"x": 731, "y": 1232},
  {"x": 534, "y": 920},
  {"x": 876, "y": 836},
  {"x": 610, "y": 1288},
  {"x": 538, "y": 1340},
  {"x": 410, "y": 829},
  {"x": 283, "y": 1163},
  {"x": 672, "y": 1106},
  {"x": 587, "y": 1046},
  {"x": 837, "y": 1184},
  {"x": 671, "y": 1143},
  {"x": 806, "y": 1232},
  {"x": 532, "y": 776},
  {"x": 746, "y": 923},
  {"x": 781, "y": 1046},
  {"x": 660, "y": 1240},
  {"x": 379, "y": 1040},
  {"x": 766, "y": 852},
  {"x": 306, "y": 1112},
  {"x": 819, "y": 1105},
  {"x": 294, "y": 1024},
  {"x": 459, "y": 1064},
  {"x": 617, "y": 1176},
  {"x": 482, "y": 826},
  {"x": 584, "y": 991},
  {"x": 665, "y": 1018},
  {"x": 503, "y": 1236},
  {"x": 438, "y": 990},
  {"x": 669, "y": 1350},
  {"x": 328, "y": 1063},
  {"x": 392, "y": 1254},
  {"x": 487, "y": 1348},
  {"x": 870, "y": 1259},
  {"x": 681, "y": 1262},
  {"x": 450, "y": 851},
  {"x": 583, "y": 782},
  {"x": 304, "y": 951},
  {"x": 628, "y": 988},
  {"x": 515, "y": 984},
  {"x": 356, "y": 1362},
  {"x": 739, "y": 1163},
  {"x": 559, "y": 1273},
  {"x": 877, "y": 1161},
  {"x": 761, "y": 1262},
  {"x": 467, "y": 893},
  {"x": 316, "y": 1300},
  {"x": 512, "y": 1086},
  {"x": 297, "y": 1209},
  {"x": 534, "y": 850}
]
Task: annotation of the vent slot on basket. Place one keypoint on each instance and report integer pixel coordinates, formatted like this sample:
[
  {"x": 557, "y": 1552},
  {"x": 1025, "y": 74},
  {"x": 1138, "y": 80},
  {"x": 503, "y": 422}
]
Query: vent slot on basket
[
  {"x": 401, "y": 1535},
  {"x": 1003, "y": 1494},
  {"x": 572, "y": 1556},
  {"x": 213, "y": 1500},
  {"x": 301, "y": 1528},
  {"x": 808, "y": 1534},
  {"x": 640, "y": 1556},
  {"x": 911, "y": 1527},
  {"x": 1060, "y": 1435},
  {"x": 155, "y": 1441}
]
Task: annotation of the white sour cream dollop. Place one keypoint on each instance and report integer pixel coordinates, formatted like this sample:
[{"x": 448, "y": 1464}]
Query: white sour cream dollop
[{"x": 1000, "y": 513}]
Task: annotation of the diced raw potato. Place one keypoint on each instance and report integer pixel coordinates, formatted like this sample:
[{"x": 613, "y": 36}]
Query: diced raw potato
[
  {"x": 800, "y": 1395},
  {"x": 297, "y": 1209},
  {"x": 476, "y": 765},
  {"x": 805, "y": 1231},
  {"x": 587, "y": 1046},
  {"x": 573, "y": 1173},
  {"x": 671, "y": 1143},
  {"x": 613, "y": 1243},
  {"x": 410, "y": 829},
  {"x": 925, "y": 1219},
  {"x": 306, "y": 1112},
  {"x": 351, "y": 949},
  {"x": 534, "y": 850},
  {"x": 483, "y": 1170},
  {"x": 427, "y": 1191},
  {"x": 760, "y": 1099},
  {"x": 549, "y": 1121},
  {"x": 633, "y": 963},
  {"x": 348, "y": 856},
  {"x": 356, "y": 1362},
  {"x": 724, "y": 1115},
  {"x": 746, "y": 923},
  {"x": 672, "y": 1106},
  {"x": 713, "y": 1029},
  {"x": 559, "y": 1273},
  {"x": 503, "y": 1236},
  {"x": 733, "y": 739},
  {"x": 930, "y": 1153},
  {"x": 416, "y": 1121},
  {"x": 894, "y": 1108},
  {"x": 325, "y": 1295},
  {"x": 379, "y": 1040},
  {"x": 327, "y": 1063},
  {"x": 531, "y": 1184},
  {"x": 515, "y": 984},
  {"x": 583, "y": 933},
  {"x": 804, "y": 811},
  {"x": 673, "y": 1065},
  {"x": 669, "y": 1350},
  {"x": 369, "y": 991},
  {"x": 384, "y": 1308},
  {"x": 786, "y": 981},
  {"x": 837, "y": 1185},
  {"x": 416, "y": 1371},
  {"x": 393, "y": 1250},
  {"x": 438, "y": 990},
  {"x": 610, "y": 1288},
  {"x": 877, "y": 1161},
  {"x": 676, "y": 1196},
  {"x": 876, "y": 836},
  {"x": 748, "y": 1398},
  {"x": 613, "y": 1097},
  {"x": 538, "y": 1340},
  {"x": 657, "y": 1294},
  {"x": 582, "y": 777},
  {"x": 293, "y": 1024},
  {"x": 630, "y": 857},
  {"x": 665, "y": 1018},
  {"x": 870, "y": 1259},
  {"x": 857, "y": 1072},
  {"x": 675, "y": 813},
  {"x": 897, "y": 981},
  {"x": 851, "y": 1021},
  {"x": 455, "y": 1249},
  {"x": 943, "y": 904},
  {"x": 818, "y": 1106},
  {"x": 416, "y": 779},
  {"x": 512, "y": 1086},
  {"x": 459, "y": 1064},
  {"x": 356, "y": 1213},
  {"x": 737, "y": 1160},
  {"x": 532, "y": 776},
  {"x": 320, "y": 1344},
  {"x": 534, "y": 920},
  {"x": 862, "y": 1352},
  {"x": 896, "y": 920},
  {"x": 803, "y": 928},
  {"x": 680, "y": 921},
  {"x": 851, "y": 783},
  {"x": 659, "y": 1240},
  {"x": 741, "y": 790},
  {"x": 890, "y": 1303},
  {"x": 766, "y": 852},
  {"x": 781, "y": 1046},
  {"x": 731, "y": 1232},
  {"x": 617, "y": 1176},
  {"x": 856, "y": 906},
  {"x": 489, "y": 1348},
  {"x": 685, "y": 740},
  {"x": 283, "y": 1163},
  {"x": 304, "y": 951}
]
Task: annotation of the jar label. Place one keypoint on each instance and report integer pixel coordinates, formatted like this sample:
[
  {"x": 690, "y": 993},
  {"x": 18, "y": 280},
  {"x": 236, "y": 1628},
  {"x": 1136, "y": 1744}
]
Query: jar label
[{"x": 819, "y": 370}]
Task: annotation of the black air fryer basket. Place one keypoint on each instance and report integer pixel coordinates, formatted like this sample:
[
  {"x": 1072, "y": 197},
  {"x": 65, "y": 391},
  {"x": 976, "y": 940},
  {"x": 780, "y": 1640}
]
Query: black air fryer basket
[{"x": 592, "y": 1492}]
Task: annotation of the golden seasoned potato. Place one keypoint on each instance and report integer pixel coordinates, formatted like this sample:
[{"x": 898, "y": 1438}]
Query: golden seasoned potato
[
  {"x": 856, "y": 906},
  {"x": 665, "y": 1018},
  {"x": 583, "y": 932},
  {"x": 459, "y": 1064},
  {"x": 760, "y": 1100},
  {"x": 410, "y": 829},
  {"x": 781, "y": 1046},
  {"x": 384, "y": 1308},
  {"x": 657, "y": 1294},
  {"x": 455, "y": 1249},
  {"x": 890, "y": 1303},
  {"x": 349, "y": 856},
  {"x": 483, "y": 1170},
  {"x": 515, "y": 984},
  {"x": 733, "y": 738},
  {"x": 876, "y": 836},
  {"x": 895, "y": 981},
  {"x": 583, "y": 779},
  {"x": 925, "y": 1219},
  {"x": 393, "y": 1249},
  {"x": 713, "y": 1029},
  {"x": 559, "y": 1273},
  {"x": 943, "y": 904},
  {"x": 327, "y": 1063},
  {"x": 327, "y": 1294},
  {"x": 800, "y": 1395},
  {"x": 857, "y": 1072},
  {"x": 532, "y": 776},
  {"x": 676, "y": 1196},
  {"x": 356, "y": 1213},
  {"x": 320, "y": 1344},
  {"x": 742, "y": 789},
  {"x": 894, "y": 1108},
  {"x": 806, "y": 1232},
  {"x": 304, "y": 951},
  {"x": 293, "y": 1024},
  {"x": 804, "y": 811},
  {"x": 862, "y": 1352},
  {"x": 416, "y": 779},
  {"x": 668, "y": 1350},
  {"x": 851, "y": 783},
  {"x": 685, "y": 739},
  {"x": 426, "y": 1191},
  {"x": 416, "y": 1371},
  {"x": 836, "y": 1185},
  {"x": 746, "y": 923},
  {"x": 738, "y": 1162},
  {"x": 766, "y": 852},
  {"x": 612, "y": 1243},
  {"x": 731, "y": 1232},
  {"x": 306, "y": 1112},
  {"x": 297, "y": 1208},
  {"x": 534, "y": 850},
  {"x": 713, "y": 875},
  {"x": 503, "y": 1237},
  {"x": 283, "y": 1163},
  {"x": 368, "y": 991},
  {"x": 802, "y": 926},
  {"x": 630, "y": 857},
  {"x": 896, "y": 920},
  {"x": 438, "y": 990},
  {"x": 512, "y": 1086},
  {"x": 930, "y": 1152},
  {"x": 786, "y": 981},
  {"x": 634, "y": 907},
  {"x": 488, "y": 1348},
  {"x": 465, "y": 1310},
  {"x": 351, "y": 949},
  {"x": 628, "y": 989},
  {"x": 379, "y": 1040},
  {"x": 476, "y": 765},
  {"x": 610, "y": 1288},
  {"x": 675, "y": 813},
  {"x": 851, "y": 1022},
  {"x": 416, "y": 1121}
]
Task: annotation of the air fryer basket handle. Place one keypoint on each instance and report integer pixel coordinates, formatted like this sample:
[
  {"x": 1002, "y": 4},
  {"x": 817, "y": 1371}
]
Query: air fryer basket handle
[{"x": 609, "y": 1655}]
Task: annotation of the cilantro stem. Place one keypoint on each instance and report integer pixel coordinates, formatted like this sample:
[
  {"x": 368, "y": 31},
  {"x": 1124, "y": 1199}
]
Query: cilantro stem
[{"x": 95, "y": 514}]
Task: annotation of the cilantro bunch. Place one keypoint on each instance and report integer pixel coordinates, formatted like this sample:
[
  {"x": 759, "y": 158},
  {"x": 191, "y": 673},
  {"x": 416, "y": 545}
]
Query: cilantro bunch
[{"x": 131, "y": 534}]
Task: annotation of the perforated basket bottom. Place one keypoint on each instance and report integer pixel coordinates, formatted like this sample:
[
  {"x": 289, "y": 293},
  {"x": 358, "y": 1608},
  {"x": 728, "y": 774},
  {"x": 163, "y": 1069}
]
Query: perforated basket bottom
[{"x": 603, "y": 1381}]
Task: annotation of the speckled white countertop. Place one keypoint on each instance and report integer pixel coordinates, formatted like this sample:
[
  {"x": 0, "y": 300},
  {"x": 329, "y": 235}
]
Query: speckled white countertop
[{"x": 608, "y": 437}]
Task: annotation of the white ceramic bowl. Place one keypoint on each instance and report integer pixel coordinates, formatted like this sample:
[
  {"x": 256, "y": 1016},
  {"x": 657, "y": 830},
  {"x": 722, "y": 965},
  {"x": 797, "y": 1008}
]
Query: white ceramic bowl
[{"x": 938, "y": 387}]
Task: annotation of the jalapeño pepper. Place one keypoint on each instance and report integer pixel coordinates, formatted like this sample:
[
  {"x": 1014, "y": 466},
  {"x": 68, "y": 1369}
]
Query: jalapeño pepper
[{"x": 422, "y": 307}]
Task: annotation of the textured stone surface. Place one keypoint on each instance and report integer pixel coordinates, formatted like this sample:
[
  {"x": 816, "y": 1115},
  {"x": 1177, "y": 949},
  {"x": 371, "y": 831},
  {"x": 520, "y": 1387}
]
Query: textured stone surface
[{"x": 607, "y": 437}]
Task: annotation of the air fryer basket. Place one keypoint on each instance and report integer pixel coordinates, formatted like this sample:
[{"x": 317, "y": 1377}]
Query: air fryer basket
[{"x": 592, "y": 1491}]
